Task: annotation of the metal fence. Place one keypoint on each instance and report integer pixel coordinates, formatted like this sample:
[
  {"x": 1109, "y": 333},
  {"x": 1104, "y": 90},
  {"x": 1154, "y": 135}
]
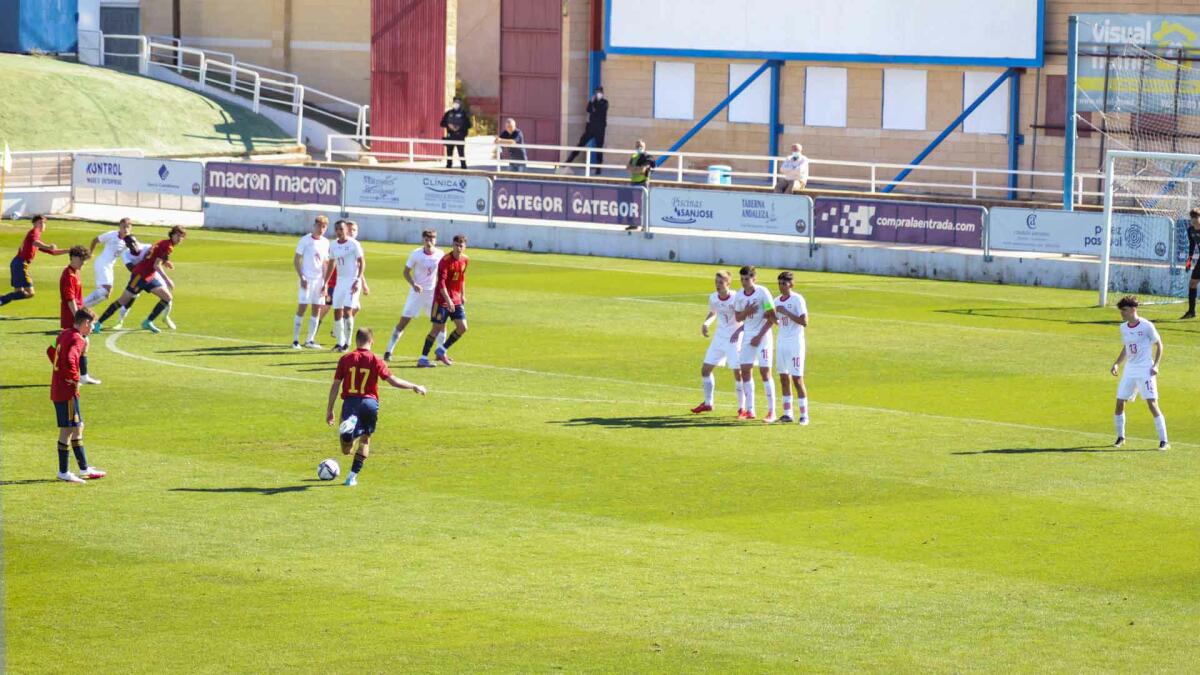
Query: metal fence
[{"x": 52, "y": 168}]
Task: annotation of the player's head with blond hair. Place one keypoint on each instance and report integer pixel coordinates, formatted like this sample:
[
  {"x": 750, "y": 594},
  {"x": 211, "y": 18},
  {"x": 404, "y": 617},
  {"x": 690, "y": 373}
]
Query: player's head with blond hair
[
  {"x": 722, "y": 280},
  {"x": 363, "y": 337},
  {"x": 351, "y": 229},
  {"x": 321, "y": 219}
]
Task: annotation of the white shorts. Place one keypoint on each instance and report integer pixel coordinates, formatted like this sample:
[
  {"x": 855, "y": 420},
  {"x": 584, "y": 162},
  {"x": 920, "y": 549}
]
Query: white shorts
[
  {"x": 356, "y": 299},
  {"x": 104, "y": 274},
  {"x": 314, "y": 294},
  {"x": 760, "y": 356},
  {"x": 789, "y": 360},
  {"x": 342, "y": 297},
  {"x": 722, "y": 352},
  {"x": 418, "y": 303},
  {"x": 1129, "y": 388}
]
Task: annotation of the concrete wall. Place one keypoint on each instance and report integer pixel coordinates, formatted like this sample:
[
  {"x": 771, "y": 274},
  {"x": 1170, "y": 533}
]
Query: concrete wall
[
  {"x": 479, "y": 50},
  {"x": 694, "y": 247},
  {"x": 26, "y": 202}
]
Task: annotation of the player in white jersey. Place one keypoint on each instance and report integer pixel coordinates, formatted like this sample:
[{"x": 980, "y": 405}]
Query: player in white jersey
[
  {"x": 723, "y": 349},
  {"x": 363, "y": 288},
  {"x": 755, "y": 308},
  {"x": 789, "y": 350},
  {"x": 420, "y": 271},
  {"x": 131, "y": 254},
  {"x": 102, "y": 264},
  {"x": 347, "y": 257},
  {"x": 1141, "y": 352},
  {"x": 310, "y": 262}
]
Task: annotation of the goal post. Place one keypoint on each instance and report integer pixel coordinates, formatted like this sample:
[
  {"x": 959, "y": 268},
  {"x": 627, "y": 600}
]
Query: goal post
[{"x": 1147, "y": 197}]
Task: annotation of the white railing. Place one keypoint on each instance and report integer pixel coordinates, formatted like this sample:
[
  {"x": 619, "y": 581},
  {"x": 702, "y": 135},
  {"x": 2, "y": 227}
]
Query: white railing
[
  {"x": 52, "y": 168},
  {"x": 260, "y": 84},
  {"x": 693, "y": 167}
]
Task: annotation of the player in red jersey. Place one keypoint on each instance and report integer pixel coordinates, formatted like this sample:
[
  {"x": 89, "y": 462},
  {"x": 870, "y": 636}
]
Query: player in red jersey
[
  {"x": 145, "y": 278},
  {"x": 70, "y": 291},
  {"x": 22, "y": 282},
  {"x": 64, "y": 392},
  {"x": 449, "y": 296},
  {"x": 357, "y": 378}
]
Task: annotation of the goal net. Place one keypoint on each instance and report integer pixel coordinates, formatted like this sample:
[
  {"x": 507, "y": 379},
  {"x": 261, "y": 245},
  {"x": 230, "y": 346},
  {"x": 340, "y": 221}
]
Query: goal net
[{"x": 1137, "y": 96}]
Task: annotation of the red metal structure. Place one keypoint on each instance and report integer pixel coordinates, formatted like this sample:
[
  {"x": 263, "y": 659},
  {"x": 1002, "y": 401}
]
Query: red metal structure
[
  {"x": 531, "y": 69},
  {"x": 408, "y": 71}
]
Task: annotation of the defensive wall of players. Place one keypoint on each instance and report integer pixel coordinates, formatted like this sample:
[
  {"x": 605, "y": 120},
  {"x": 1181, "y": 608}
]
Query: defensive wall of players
[{"x": 691, "y": 224}]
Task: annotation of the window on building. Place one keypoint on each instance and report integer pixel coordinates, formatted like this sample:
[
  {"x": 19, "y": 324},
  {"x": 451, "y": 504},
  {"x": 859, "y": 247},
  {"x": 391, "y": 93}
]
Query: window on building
[
  {"x": 904, "y": 99},
  {"x": 753, "y": 105},
  {"x": 825, "y": 97},
  {"x": 991, "y": 117},
  {"x": 674, "y": 90}
]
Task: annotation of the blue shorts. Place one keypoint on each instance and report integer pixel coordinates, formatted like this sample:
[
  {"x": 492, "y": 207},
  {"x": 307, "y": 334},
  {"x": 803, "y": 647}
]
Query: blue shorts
[
  {"x": 68, "y": 413},
  {"x": 367, "y": 410},
  {"x": 137, "y": 284},
  {"x": 19, "y": 270},
  {"x": 443, "y": 314}
]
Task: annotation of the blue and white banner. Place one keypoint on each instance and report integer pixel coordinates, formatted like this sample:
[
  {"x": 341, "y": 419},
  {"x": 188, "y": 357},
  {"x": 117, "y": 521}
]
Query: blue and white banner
[
  {"x": 404, "y": 191},
  {"x": 1142, "y": 84},
  {"x": 1135, "y": 236},
  {"x": 138, "y": 174},
  {"x": 752, "y": 212}
]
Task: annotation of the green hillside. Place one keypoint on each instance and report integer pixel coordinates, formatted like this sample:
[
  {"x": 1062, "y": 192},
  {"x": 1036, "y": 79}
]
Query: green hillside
[{"x": 48, "y": 104}]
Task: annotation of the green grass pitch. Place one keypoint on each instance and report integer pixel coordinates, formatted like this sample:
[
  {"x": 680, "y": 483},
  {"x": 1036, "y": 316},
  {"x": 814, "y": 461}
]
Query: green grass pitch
[{"x": 551, "y": 505}]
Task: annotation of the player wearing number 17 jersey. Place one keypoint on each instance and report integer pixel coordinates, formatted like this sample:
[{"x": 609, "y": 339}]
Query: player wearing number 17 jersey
[
  {"x": 1142, "y": 350},
  {"x": 357, "y": 378},
  {"x": 723, "y": 350},
  {"x": 789, "y": 359}
]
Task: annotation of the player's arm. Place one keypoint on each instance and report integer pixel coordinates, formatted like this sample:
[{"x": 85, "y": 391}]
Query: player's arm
[
  {"x": 399, "y": 384},
  {"x": 1158, "y": 354},
  {"x": 328, "y": 271},
  {"x": 360, "y": 264},
  {"x": 443, "y": 276},
  {"x": 707, "y": 322},
  {"x": 297, "y": 261},
  {"x": 93, "y": 245},
  {"x": 1116, "y": 366},
  {"x": 769, "y": 320},
  {"x": 160, "y": 268},
  {"x": 333, "y": 392},
  {"x": 409, "y": 278},
  {"x": 48, "y": 248}
]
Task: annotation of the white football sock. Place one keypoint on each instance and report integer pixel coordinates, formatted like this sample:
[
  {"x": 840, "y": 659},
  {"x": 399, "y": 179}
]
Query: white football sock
[
  {"x": 299, "y": 321},
  {"x": 741, "y": 396},
  {"x": 313, "y": 324},
  {"x": 95, "y": 297},
  {"x": 1160, "y": 425},
  {"x": 349, "y": 321},
  {"x": 748, "y": 389},
  {"x": 337, "y": 331},
  {"x": 124, "y": 311},
  {"x": 1119, "y": 421},
  {"x": 769, "y": 388},
  {"x": 787, "y": 404},
  {"x": 396, "y": 333},
  {"x": 441, "y": 339},
  {"x": 802, "y": 406},
  {"x": 710, "y": 383}
]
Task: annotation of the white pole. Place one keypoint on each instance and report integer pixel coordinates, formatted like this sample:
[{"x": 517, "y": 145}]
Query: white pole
[
  {"x": 298, "y": 95},
  {"x": 1106, "y": 243}
]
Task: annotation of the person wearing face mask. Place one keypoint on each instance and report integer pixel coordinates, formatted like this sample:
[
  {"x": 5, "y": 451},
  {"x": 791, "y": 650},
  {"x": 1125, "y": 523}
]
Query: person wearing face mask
[
  {"x": 597, "y": 122},
  {"x": 793, "y": 171},
  {"x": 457, "y": 123}
]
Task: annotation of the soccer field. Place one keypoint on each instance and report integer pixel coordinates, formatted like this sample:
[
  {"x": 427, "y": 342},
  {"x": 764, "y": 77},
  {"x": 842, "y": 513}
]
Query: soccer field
[{"x": 552, "y": 505}]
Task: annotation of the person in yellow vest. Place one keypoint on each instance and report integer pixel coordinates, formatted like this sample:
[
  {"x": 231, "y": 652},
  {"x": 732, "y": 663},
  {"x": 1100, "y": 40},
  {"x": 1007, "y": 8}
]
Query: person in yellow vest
[{"x": 640, "y": 165}]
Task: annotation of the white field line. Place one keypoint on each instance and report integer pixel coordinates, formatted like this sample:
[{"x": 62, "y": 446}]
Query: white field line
[{"x": 111, "y": 343}]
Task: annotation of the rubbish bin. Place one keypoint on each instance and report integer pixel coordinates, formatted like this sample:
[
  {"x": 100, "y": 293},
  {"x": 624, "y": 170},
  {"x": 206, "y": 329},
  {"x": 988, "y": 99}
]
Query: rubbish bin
[{"x": 720, "y": 174}]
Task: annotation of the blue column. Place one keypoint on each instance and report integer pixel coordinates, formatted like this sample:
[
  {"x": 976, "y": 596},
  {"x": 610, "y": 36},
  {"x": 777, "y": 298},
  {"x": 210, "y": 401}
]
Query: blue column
[
  {"x": 1015, "y": 138},
  {"x": 1068, "y": 188},
  {"x": 775, "y": 128}
]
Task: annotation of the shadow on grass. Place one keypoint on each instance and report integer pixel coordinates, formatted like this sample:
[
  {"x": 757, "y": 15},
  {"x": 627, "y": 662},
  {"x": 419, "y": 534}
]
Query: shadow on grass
[
  {"x": 1031, "y": 451},
  {"x": 1027, "y": 314},
  {"x": 4, "y": 387},
  {"x": 652, "y": 422},
  {"x": 29, "y": 481},
  {"x": 28, "y": 318},
  {"x": 265, "y": 491}
]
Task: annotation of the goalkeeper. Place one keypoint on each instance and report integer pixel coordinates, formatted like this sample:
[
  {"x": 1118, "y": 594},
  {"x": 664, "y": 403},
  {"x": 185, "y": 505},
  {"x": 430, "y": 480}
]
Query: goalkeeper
[{"x": 1193, "y": 232}]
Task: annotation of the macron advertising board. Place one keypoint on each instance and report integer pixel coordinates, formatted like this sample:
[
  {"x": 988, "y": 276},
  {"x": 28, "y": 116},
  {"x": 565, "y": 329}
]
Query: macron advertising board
[
  {"x": 752, "y": 212},
  {"x": 266, "y": 182}
]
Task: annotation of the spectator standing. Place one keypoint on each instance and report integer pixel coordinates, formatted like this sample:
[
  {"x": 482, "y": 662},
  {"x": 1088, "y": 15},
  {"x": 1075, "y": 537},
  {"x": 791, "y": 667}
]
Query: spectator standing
[
  {"x": 640, "y": 166},
  {"x": 515, "y": 140},
  {"x": 793, "y": 171},
  {"x": 597, "y": 123},
  {"x": 457, "y": 123}
]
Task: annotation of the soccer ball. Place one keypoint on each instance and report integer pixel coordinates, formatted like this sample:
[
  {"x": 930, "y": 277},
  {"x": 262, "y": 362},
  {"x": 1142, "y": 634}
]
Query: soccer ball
[{"x": 328, "y": 469}]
